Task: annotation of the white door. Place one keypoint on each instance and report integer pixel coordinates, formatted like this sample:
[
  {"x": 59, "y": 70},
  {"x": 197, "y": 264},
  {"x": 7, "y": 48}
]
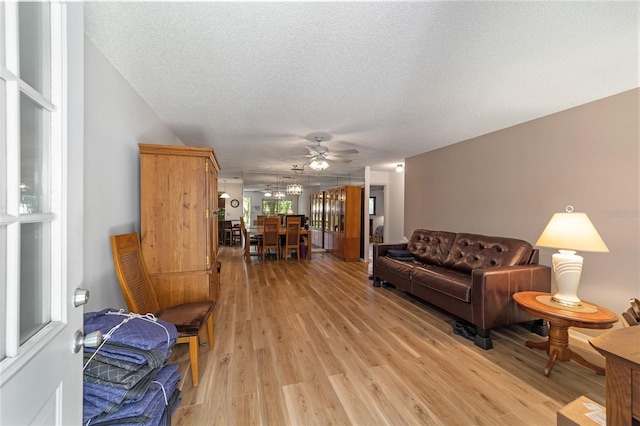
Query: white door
[{"x": 40, "y": 214}]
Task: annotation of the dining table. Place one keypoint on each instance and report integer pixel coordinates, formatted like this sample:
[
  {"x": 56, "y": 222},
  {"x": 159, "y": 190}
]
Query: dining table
[{"x": 259, "y": 230}]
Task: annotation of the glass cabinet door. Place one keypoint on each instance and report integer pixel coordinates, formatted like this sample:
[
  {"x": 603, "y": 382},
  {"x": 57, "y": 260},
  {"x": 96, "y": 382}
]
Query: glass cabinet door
[
  {"x": 327, "y": 210},
  {"x": 341, "y": 210}
]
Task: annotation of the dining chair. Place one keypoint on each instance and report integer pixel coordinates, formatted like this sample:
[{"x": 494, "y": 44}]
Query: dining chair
[
  {"x": 292, "y": 237},
  {"x": 140, "y": 297},
  {"x": 235, "y": 236},
  {"x": 260, "y": 220},
  {"x": 270, "y": 238},
  {"x": 252, "y": 240},
  {"x": 227, "y": 233}
]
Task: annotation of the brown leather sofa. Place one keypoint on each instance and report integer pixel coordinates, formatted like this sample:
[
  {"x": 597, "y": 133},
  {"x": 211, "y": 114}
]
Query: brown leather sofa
[{"x": 470, "y": 276}]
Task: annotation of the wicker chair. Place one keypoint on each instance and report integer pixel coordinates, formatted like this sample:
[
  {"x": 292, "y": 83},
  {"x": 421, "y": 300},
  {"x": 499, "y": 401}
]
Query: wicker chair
[
  {"x": 189, "y": 318},
  {"x": 631, "y": 315}
]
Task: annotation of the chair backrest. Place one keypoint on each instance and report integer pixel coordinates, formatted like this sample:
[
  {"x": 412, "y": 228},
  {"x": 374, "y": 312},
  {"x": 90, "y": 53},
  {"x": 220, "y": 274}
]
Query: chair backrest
[
  {"x": 270, "y": 234},
  {"x": 293, "y": 231},
  {"x": 131, "y": 271},
  {"x": 260, "y": 220},
  {"x": 243, "y": 229}
]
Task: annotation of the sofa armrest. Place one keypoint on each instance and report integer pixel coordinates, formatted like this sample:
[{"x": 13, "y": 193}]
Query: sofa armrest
[
  {"x": 383, "y": 249},
  {"x": 492, "y": 293}
]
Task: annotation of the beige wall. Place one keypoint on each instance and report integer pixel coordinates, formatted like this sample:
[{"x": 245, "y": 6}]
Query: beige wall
[{"x": 510, "y": 182}]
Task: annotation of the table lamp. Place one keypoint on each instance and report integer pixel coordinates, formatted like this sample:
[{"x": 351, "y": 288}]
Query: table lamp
[{"x": 569, "y": 232}]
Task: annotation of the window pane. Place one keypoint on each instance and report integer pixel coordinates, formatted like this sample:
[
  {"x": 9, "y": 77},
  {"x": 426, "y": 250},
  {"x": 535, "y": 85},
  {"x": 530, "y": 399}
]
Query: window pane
[
  {"x": 35, "y": 283},
  {"x": 3, "y": 148},
  {"x": 246, "y": 210},
  {"x": 34, "y": 157},
  {"x": 274, "y": 207},
  {"x": 3, "y": 289},
  {"x": 35, "y": 45},
  {"x": 2, "y": 40}
]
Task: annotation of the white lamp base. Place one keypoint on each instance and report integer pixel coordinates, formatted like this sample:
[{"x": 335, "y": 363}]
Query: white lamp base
[{"x": 567, "y": 268}]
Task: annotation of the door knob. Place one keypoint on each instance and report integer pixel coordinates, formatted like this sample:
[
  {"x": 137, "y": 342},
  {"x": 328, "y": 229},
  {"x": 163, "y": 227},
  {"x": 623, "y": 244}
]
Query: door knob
[
  {"x": 80, "y": 297},
  {"x": 91, "y": 340}
]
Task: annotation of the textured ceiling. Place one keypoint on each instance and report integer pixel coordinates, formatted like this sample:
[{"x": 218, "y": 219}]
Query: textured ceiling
[{"x": 390, "y": 79}]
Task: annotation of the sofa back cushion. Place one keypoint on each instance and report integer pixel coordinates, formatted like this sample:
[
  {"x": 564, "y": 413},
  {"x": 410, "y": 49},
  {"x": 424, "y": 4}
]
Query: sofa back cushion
[
  {"x": 431, "y": 246},
  {"x": 472, "y": 251}
]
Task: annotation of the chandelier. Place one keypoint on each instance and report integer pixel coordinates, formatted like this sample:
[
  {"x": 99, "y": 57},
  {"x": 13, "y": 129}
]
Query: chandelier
[
  {"x": 294, "y": 189},
  {"x": 279, "y": 194},
  {"x": 318, "y": 163}
]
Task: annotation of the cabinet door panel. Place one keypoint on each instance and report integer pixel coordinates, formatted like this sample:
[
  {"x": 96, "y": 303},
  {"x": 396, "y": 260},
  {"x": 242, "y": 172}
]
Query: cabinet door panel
[{"x": 174, "y": 289}]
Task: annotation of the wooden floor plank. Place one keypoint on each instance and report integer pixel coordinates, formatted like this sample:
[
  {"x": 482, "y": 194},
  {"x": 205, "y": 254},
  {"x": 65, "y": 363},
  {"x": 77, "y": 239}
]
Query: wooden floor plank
[{"x": 314, "y": 343}]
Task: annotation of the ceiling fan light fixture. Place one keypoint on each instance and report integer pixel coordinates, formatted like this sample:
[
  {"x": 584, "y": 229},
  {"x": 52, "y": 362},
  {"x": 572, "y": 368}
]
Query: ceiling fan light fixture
[{"x": 318, "y": 164}]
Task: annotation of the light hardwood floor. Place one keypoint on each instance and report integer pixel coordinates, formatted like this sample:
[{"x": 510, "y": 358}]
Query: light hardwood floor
[{"x": 314, "y": 343}]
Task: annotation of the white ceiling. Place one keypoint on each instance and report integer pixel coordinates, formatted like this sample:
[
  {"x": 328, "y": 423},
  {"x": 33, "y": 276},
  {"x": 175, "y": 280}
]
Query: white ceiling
[{"x": 391, "y": 79}]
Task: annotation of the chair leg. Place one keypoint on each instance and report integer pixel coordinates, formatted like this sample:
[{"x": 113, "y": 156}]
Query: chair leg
[
  {"x": 193, "y": 355},
  {"x": 210, "y": 329}
]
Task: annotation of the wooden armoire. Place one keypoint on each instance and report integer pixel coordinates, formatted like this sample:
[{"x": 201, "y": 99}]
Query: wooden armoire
[{"x": 179, "y": 221}]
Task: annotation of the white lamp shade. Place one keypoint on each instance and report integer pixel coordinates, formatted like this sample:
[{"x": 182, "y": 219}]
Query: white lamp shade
[
  {"x": 571, "y": 231},
  {"x": 225, "y": 195}
]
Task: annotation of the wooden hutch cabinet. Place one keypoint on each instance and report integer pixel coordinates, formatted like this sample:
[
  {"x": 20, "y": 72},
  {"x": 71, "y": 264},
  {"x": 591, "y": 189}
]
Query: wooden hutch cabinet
[
  {"x": 179, "y": 221},
  {"x": 335, "y": 221},
  {"x": 317, "y": 219}
]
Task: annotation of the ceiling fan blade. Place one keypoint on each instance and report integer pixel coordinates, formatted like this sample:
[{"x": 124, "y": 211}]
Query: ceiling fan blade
[
  {"x": 338, "y": 159},
  {"x": 346, "y": 151}
]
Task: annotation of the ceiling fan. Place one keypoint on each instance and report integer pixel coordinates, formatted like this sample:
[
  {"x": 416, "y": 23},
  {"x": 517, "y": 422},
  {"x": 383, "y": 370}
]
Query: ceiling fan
[{"x": 320, "y": 154}]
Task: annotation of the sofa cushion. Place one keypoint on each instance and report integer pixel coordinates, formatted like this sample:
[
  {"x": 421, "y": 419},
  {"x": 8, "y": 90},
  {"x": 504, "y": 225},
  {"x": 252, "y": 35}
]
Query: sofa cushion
[
  {"x": 431, "y": 246},
  {"x": 400, "y": 268},
  {"x": 472, "y": 251},
  {"x": 453, "y": 283}
]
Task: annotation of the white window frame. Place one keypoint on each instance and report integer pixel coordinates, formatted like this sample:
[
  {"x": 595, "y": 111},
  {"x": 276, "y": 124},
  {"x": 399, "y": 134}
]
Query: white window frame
[{"x": 17, "y": 355}]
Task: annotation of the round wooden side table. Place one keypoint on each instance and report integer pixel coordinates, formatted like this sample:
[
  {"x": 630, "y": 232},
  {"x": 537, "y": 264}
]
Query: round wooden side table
[{"x": 560, "y": 318}]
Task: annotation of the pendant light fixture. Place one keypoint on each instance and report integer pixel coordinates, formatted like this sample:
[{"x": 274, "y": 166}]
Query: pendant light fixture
[
  {"x": 279, "y": 194},
  {"x": 224, "y": 194}
]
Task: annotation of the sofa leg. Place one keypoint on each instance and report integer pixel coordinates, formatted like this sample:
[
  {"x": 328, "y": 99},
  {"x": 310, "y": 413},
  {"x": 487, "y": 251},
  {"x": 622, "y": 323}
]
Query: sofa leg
[
  {"x": 377, "y": 282},
  {"x": 540, "y": 327},
  {"x": 483, "y": 338}
]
